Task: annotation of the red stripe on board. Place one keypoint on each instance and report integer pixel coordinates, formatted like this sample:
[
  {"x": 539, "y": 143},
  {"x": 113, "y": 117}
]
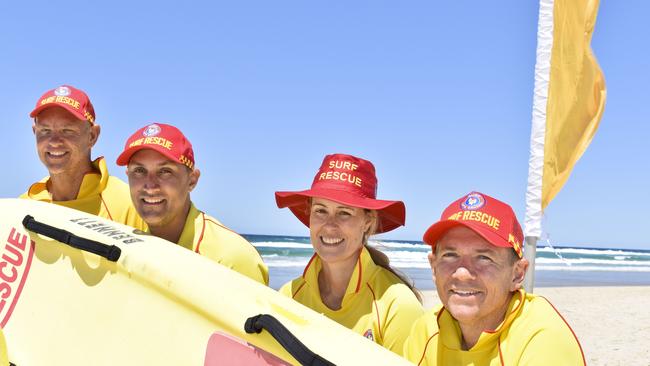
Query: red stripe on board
[{"x": 22, "y": 283}]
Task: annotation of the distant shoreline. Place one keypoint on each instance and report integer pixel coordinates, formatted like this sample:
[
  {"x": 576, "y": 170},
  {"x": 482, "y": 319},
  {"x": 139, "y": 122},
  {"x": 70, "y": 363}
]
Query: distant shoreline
[
  {"x": 252, "y": 237},
  {"x": 287, "y": 256},
  {"x": 424, "y": 281}
]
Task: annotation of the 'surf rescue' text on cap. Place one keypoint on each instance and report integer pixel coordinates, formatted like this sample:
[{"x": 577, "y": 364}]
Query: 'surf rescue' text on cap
[
  {"x": 349, "y": 180},
  {"x": 163, "y": 138},
  {"x": 490, "y": 218},
  {"x": 71, "y": 99}
]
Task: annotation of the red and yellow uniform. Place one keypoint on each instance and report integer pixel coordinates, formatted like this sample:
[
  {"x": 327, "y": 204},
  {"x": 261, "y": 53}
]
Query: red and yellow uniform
[
  {"x": 532, "y": 333},
  {"x": 205, "y": 235},
  {"x": 376, "y": 304},
  {"x": 100, "y": 194}
]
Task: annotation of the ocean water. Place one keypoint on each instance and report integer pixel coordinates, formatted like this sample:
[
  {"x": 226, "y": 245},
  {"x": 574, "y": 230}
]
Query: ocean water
[{"x": 287, "y": 256}]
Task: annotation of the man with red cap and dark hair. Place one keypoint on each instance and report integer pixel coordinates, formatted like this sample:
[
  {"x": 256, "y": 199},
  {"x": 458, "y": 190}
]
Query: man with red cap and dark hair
[
  {"x": 486, "y": 317},
  {"x": 65, "y": 131},
  {"x": 161, "y": 171}
]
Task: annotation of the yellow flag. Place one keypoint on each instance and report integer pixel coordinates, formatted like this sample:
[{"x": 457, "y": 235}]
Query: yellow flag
[{"x": 576, "y": 93}]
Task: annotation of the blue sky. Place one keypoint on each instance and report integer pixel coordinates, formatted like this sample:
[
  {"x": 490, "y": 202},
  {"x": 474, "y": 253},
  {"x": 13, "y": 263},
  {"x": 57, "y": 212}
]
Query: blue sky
[{"x": 437, "y": 94}]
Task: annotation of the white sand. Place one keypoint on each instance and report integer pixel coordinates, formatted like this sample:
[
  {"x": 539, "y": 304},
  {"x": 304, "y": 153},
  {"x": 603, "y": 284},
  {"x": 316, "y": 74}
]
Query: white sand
[{"x": 612, "y": 323}]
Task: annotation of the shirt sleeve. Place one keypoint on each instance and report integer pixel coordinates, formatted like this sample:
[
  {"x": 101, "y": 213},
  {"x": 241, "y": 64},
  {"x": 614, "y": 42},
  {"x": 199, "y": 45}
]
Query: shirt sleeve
[
  {"x": 232, "y": 250},
  {"x": 418, "y": 340},
  {"x": 246, "y": 261},
  {"x": 557, "y": 347},
  {"x": 286, "y": 289},
  {"x": 403, "y": 310}
]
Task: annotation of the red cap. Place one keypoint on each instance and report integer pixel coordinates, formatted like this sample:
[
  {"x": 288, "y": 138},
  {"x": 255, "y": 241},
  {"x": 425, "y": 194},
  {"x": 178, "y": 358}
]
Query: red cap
[
  {"x": 165, "y": 139},
  {"x": 490, "y": 218},
  {"x": 349, "y": 180},
  {"x": 72, "y": 99}
]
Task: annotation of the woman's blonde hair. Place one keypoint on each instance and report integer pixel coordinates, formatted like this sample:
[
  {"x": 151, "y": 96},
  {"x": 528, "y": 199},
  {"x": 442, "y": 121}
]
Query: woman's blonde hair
[{"x": 381, "y": 259}]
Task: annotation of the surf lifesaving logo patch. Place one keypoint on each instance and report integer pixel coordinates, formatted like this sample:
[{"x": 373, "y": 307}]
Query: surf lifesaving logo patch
[
  {"x": 151, "y": 130},
  {"x": 472, "y": 202},
  {"x": 368, "y": 334},
  {"x": 62, "y": 91},
  {"x": 15, "y": 260}
]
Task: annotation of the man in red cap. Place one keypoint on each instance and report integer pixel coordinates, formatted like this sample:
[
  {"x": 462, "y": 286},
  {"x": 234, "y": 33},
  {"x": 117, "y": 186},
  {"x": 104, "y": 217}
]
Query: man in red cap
[
  {"x": 161, "y": 171},
  {"x": 486, "y": 317},
  {"x": 65, "y": 131}
]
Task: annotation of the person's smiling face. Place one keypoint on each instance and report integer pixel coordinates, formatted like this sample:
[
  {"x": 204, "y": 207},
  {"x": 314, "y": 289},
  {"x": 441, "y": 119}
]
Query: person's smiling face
[
  {"x": 63, "y": 141},
  {"x": 474, "y": 278},
  {"x": 337, "y": 230},
  {"x": 160, "y": 188}
]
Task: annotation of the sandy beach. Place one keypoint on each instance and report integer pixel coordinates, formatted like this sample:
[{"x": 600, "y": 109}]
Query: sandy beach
[{"x": 612, "y": 323}]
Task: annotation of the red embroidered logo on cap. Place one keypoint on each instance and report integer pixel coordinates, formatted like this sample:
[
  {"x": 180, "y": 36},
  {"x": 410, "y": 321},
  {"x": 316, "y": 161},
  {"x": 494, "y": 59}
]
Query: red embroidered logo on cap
[
  {"x": 368, "y": 334},
  {"x": 166, "y": 139},
  {"x": 474, "y": 201},
  {"x": 151, "y": 130},
  {"x": 62, "y": 91},
  {"x": 73, "y": 100}
]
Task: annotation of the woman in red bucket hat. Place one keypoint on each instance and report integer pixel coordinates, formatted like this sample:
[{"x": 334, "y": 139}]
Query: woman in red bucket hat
[{"x": 346, "y": 279}]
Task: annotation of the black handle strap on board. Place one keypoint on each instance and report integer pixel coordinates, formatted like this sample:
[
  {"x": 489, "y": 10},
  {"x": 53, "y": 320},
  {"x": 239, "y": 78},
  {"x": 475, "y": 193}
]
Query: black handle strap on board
[
  {"x": 110, "y": 252},
  {"x": 281, "y": 334}
]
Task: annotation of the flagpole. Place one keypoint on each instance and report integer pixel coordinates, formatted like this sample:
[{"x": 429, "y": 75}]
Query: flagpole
[{"x": 533, "y": 220}]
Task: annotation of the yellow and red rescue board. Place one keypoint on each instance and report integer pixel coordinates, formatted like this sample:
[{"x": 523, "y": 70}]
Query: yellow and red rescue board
[{"x": 116, "y": 296}]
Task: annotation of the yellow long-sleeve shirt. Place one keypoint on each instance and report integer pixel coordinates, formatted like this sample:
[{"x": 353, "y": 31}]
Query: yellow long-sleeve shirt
[
  {"x": 532, "y": 333},
  {"x": 207, "y": 236},
  {"x": 376, "y": 304},
  {"x": 100, "y": 194}
]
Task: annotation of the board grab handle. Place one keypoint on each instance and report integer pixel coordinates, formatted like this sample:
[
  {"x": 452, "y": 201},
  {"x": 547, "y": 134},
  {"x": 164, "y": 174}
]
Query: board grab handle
[
  {"x": 110, "y": 252},
  {"x": 290, "y": 342}
]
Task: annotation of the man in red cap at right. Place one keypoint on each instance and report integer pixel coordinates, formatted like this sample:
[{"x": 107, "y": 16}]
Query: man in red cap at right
[{"x": 486, "y": 317}]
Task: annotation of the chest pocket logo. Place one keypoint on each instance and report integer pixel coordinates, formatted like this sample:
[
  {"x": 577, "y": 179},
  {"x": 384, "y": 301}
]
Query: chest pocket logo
[{"x": 368, "y": 334}]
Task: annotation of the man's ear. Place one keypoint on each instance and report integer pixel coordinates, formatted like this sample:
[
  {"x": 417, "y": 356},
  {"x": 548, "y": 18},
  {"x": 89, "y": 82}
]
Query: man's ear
[
  {"x": 432, "y": 259},
  {"x": 94, "y": 134},
  {"x": 194, "y": 178},
  {"x": 518, "y": 273}
]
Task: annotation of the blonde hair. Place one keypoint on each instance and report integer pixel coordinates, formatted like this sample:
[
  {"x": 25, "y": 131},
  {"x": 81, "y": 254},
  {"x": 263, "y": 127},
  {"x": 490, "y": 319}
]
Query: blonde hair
[{"x": 381, "y": 259}]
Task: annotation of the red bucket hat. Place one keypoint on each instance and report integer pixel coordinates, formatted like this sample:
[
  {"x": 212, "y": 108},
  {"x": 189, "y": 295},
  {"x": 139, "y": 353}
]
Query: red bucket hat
[
  {"x": 348, "y": 180},
  {"x": 165, "y": 139},
  {"x": 72, "y": 99},
  {"x": 493, "y": 220}
]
